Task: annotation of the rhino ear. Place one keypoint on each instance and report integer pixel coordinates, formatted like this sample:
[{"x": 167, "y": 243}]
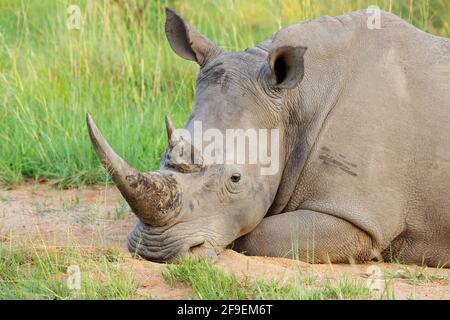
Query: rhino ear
[
  {"x": 286, "y": 64},
  {"x": 187, "y": 42}
]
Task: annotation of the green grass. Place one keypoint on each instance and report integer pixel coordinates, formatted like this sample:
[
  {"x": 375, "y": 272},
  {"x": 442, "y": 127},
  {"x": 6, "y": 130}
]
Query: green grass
[
  {"x": 30, "y": 273},
  {"x": 124, "y": 73},
  {"x": 210, "y": 282}
]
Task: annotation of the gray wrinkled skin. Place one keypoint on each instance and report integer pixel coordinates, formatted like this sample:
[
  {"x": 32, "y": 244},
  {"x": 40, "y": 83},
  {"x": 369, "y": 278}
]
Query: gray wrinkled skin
[{"x": 364, "y": 117}]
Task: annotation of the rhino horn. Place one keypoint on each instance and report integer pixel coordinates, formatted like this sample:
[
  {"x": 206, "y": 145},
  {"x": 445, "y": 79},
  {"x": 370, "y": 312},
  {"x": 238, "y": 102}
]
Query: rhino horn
[
  {"x": 170, "y": 128},
  {"x": 195, "y": 163},
  {"x": 154, "y": 197}
]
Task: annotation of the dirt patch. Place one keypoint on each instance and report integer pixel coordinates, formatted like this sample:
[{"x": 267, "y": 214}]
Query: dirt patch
[
  {"x": 97, "y": 216},
  {"x": 89, "y": 216}
]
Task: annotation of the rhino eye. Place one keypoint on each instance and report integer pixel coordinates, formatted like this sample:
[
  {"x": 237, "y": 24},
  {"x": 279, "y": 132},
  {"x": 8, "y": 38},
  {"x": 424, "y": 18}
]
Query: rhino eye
[{"x": 236, "y": 177}]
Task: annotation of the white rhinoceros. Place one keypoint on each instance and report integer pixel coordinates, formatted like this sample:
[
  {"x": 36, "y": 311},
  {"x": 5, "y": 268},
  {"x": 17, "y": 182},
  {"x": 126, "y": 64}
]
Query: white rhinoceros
[{"x": 363, "y": 116}]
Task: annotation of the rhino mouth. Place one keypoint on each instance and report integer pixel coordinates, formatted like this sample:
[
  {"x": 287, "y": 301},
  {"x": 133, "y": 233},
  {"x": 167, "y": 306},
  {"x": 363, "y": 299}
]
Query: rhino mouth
[{"x": 167, "y": 244}]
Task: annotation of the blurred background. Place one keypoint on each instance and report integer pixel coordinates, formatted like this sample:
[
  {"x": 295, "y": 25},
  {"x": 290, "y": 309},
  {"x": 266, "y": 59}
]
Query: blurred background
[{"x": 118, "y": 66}]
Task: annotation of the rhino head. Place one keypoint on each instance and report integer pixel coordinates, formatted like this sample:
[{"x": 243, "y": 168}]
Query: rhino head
[{"x": 201, "y": 205}]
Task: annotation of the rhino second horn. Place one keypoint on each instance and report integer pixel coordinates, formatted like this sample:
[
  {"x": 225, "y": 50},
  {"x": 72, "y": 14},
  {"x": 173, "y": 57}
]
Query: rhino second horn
[
  {"x": 170, "y": 128},
  {"x": 196, "y": 161},
  {"x": 154, "y": 197}
]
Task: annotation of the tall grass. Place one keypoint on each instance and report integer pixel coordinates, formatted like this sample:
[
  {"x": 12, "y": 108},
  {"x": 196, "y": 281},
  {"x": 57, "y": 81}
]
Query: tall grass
[{"x": 120, "y": 68}]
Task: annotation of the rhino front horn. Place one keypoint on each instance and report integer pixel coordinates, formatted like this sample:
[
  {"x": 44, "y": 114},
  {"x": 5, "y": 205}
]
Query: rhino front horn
[{"x": 154, "y": 197}]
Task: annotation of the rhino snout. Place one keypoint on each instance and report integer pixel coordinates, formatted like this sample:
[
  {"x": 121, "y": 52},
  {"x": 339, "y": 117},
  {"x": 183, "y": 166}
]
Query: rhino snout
[{"x": 158, "y": 245}]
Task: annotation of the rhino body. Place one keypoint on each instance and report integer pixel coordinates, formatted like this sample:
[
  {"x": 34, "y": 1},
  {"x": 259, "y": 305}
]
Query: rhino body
[{"x": 364, "y": 116}]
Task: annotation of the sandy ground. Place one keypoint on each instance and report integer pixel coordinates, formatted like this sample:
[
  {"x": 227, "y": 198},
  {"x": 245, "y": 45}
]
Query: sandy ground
[{"x": 98, "y": 217}]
